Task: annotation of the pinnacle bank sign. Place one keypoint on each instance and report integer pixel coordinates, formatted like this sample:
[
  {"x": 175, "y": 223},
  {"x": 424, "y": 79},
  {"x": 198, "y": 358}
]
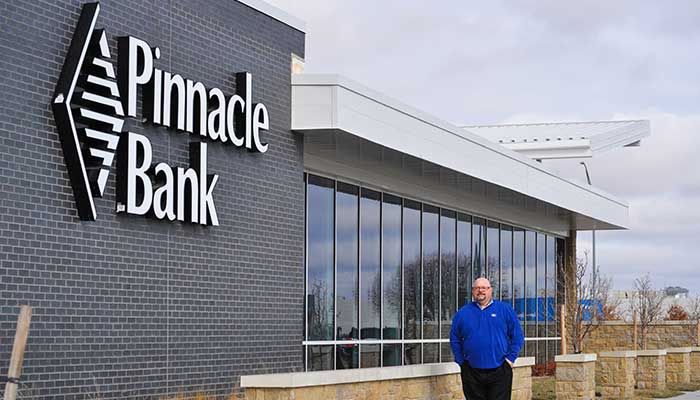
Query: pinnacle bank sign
[{"x": 92, "y": 101}]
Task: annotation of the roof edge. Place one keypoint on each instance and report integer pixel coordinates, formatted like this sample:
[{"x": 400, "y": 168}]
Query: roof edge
[{"x": 276, "y": 13}]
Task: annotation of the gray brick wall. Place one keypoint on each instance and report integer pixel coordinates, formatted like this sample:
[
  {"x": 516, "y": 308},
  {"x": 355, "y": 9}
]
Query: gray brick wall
[{"x": 129, "y": 307}]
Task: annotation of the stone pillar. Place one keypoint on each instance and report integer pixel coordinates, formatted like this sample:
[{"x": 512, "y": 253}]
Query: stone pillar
[
  {"x": 695, "y": 364},
  {"x": 678, "y": 365},
  {"x": 651, "y": 369},
  {"x": 614, "y": 374},
  {"x": 522, "y": 379},
  {"x": 575, "y": 376}
]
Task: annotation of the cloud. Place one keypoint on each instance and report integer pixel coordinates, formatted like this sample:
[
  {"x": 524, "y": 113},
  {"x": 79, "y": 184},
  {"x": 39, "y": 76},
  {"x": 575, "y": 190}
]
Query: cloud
[{"x": 540, "y": 61}]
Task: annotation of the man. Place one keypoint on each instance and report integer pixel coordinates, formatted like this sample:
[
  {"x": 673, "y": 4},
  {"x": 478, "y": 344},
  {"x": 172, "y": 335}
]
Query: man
[{"x": 486, "y": 339}]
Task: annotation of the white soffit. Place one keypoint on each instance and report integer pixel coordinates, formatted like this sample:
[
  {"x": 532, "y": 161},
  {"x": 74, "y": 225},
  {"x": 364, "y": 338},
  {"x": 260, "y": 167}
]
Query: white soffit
[
  {"x": 566, "y": 139},
  {"x": 324, "y": 104}
]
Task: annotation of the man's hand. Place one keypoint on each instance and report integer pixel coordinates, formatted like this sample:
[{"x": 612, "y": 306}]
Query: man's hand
[{"x": 509, "y": 362}]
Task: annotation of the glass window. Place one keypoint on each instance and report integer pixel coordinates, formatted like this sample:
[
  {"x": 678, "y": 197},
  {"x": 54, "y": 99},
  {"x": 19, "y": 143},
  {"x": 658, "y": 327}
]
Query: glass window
[
  {"x": 493, "y": 258},
  {"x": 412, "y": 272},
  {"x": 346, "y": 356},
  {"x": 464, "y": 259},
  {"x": 541, "y": 261},
  {"x": 448, "y": 270},
  {"x": 530, "y": 287},
  {"x": 446, "y": 353},
  {"x": 551, "y": 290},
  {"x": 412, "y": 353},
  {"x": 320, "y": 358},
  {"x": 370, "y": 356},
  {"x": 431, "y": 353},
  {"x": 519, "y": 272},
  {"x": 431, "y": 273},
  {"x": 391, "y": 254},
  {"x": 370, "y": 277},
  {"x": 391, "y": 355},
  {"x": 320, "y": 193},
  {"x": 479, "y": 248},
  {"x": 347, "y": 299},
  {"x": 507, "y": 264},
  {"x": 559, "y": 275}
]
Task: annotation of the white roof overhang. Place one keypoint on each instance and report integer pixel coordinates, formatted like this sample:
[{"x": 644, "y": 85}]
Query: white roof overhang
[
  {"x": 565, "y": 139},
  {"x": 327, "y": 104}
]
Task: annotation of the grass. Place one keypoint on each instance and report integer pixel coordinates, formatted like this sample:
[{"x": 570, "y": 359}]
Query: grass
[{"x": 543, "y": 388}]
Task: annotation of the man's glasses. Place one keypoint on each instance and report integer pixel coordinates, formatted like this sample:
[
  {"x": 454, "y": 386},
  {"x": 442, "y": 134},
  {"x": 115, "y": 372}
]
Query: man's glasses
[{"x": 481, "y": 287}]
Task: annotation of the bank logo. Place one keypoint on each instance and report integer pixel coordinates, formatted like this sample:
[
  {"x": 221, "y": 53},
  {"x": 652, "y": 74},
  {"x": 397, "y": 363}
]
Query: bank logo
[
  {"x": 92, "y": 100},
  {"x": 88, "y": 112}
]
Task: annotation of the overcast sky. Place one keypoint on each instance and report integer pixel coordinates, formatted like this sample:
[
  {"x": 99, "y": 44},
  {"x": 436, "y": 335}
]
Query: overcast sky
[{"x": 548, "y": 61}]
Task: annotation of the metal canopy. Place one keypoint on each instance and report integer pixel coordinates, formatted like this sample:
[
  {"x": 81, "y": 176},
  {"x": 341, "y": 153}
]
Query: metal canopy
[{"x": 565, "y": 140}]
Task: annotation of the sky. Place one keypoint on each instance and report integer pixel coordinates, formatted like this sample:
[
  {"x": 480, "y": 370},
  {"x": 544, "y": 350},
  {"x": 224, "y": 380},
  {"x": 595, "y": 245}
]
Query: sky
[{"x": 497, "y": 62}]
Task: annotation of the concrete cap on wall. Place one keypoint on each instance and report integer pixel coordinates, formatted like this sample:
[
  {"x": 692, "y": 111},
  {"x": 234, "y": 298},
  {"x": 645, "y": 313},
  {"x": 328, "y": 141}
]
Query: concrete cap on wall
[
  {"x": 524, "y": 362},
  {"x": 676, "y": 350},
  {"x": 576, "y": 358},
  {"x": 694, "y": 349},
  {"x": 642, "y": 353},
  {"x": 618, "y": 354}
]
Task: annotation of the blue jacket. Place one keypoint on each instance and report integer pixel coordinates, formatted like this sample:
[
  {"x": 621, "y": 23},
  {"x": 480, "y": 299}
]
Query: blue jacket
[{"x": 485, "y": 338}]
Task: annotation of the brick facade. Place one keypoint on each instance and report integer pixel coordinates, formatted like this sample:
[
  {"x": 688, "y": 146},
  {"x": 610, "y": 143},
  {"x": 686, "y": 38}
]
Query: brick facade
[{"x": 130, "y": 307}]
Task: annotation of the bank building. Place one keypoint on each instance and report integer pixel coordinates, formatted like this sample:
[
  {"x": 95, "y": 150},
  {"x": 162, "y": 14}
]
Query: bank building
[{"x": 187, "y": 211}]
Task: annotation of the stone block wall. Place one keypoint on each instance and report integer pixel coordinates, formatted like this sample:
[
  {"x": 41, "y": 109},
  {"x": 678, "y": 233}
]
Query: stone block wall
[
  {"x": 369, "y": 384},
  {"x": 695, "y": 364},
  {"x": 614, "y": 374},
  {"x": 617, "y": 335},
  {"x": 651, "y": 369},
  {"x": 575, "y": 377},
  {"x": 678, "y": 365}
]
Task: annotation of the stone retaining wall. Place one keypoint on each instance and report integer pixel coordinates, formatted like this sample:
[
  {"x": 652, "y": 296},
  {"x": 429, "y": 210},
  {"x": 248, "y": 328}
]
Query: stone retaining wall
[
  {"x": 428, "y": 381},
  {"x": 617, "y": 335}
]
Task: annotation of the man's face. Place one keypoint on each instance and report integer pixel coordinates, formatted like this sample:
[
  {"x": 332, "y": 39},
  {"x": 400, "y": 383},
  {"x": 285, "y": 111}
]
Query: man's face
[{"x": 482, "y": 291}]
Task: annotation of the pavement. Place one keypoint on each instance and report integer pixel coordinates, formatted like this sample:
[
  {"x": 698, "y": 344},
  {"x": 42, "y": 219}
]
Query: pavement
[{"x": 688, "y": 396}]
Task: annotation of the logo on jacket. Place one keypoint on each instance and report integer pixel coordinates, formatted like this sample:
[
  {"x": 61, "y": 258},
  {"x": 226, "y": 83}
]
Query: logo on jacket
[{"x": 493, "y": 315}]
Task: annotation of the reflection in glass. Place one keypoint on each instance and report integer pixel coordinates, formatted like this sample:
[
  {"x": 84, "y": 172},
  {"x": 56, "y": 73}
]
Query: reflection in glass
[
  {"x": 370, "y": 356},
  {"x": 391, "y": 254},
  {"x": 540, "y": 278},
  {"x": 370, "y": 277},
  {"x": 559, "y": 276},
  {"x": 464, "y": 259},
  {"x": 493, "y": 258},
  {"x": 530, "y": 277},
  {"x": 412, "y": 270},
  {"x": 478, "y": 248},
  {"x": 412, "y": 353},
  {"x": 346, "y": 356},
  {"x": 448, "y": 271},
  {"x": 320, "y": 358},
  {"x": 391, "y": 355},
  {"x": 320, "y": 216},
  {"x": 347, "y": 249},
  {"x": 519, "y": 272},
  {"x": 431, "y": 353},
  {"x": 507, "y": 264},
  {"x": 431, "y": 272},
  {"x": 550, "y": 283},
  {"x": 446, "y": 353}
]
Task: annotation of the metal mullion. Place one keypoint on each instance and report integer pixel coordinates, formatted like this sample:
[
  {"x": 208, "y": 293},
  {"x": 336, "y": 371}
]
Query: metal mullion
[
  {"x": 403, "y": 325},
  {"x": 335, "y": 269},
  {"x": 439, "y": 313},
  {"x": 381, "y": 277},
  {"x": 359, "y": 275},
  {"x": 422, "y": 300},
  {"x": 306, "y": 270}
]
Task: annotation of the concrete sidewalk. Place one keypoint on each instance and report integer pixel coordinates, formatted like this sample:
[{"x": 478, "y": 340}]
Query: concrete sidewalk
[{"x": 688, "y": 396}]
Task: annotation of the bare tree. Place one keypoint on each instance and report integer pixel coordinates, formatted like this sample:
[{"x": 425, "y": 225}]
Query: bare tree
[
  {"x": 594, "y": 302},
  {"x": 648, "y": 303}
]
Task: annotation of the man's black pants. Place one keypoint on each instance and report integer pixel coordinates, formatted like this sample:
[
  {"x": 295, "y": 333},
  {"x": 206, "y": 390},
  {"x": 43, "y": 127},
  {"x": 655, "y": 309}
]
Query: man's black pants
[{"x": 487, "y": 384}]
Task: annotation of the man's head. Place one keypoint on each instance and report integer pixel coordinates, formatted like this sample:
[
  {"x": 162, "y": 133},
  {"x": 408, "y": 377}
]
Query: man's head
[{"x": 482, "y": 291}]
